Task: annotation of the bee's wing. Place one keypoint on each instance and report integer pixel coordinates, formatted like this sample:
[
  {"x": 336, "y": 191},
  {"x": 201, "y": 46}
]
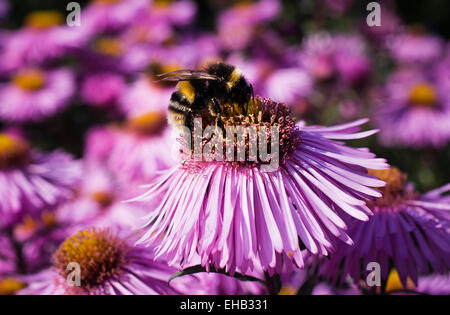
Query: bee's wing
[{"x": 185, "y": 75}]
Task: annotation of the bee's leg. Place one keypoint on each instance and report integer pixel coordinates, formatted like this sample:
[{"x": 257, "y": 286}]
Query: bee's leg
[{"x": 217, "y": 113}]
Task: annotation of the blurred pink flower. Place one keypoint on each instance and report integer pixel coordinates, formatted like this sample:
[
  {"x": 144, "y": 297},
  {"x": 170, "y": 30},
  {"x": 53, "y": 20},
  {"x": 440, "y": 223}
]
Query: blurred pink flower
[
  {"x": 179, "y": 13},
  {"x": 31, "y": 181},
  {"x": 289, "y": 85},
  {"x": 35, "y": 94},
  {"x": 43, "y": 37},
  {"x": 119, "y": 269},
  {"x": 415, "y": 47},
  {"x": 414, "y": 109},
  {"x": 236, "y": 26},
  {"x": 326, "y": 56},
  {"x": 99, "y": 201},
  {"x": 100, "y": 16},
  {"x": 102, "y": 89},
  {"x": 406, "y": 233}
]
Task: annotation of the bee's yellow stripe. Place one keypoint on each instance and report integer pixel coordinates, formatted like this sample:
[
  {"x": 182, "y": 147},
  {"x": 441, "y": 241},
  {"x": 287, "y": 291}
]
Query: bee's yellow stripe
[
  {"x": 187, "y": 90},
  {"x": 234, "y": 77}
]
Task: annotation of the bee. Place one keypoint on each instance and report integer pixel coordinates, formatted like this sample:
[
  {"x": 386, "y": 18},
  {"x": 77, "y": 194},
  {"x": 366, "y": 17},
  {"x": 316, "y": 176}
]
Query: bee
[{"x": 211, "y": 89}]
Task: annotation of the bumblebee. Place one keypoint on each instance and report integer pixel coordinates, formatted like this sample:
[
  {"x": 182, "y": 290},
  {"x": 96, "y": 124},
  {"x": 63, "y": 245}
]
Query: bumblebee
[{"x": 211, "y": 90}]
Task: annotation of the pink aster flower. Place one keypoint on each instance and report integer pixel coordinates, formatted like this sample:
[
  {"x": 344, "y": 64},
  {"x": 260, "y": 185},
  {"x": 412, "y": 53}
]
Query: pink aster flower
[
  {"x": 406, "y": 233},
  {"x": 118, "y": 268},
  {"x": 101, "y": 15},
  {"x": 290, "y": 86},
  {"x": 44, "y": 36},
  {"x": 143, "y": 96},
  {"x": 415, "y": 47},
  {"x": 237, "y": 25},
  {"x": 434, "y": 285},
  {"x": 115, "y": 53},
  {"x": 234, "y": 215},
  {"x": 179, "y": 13},
  {"x": 328, "y": 56},
  {"x": 99, "y": 202},
  {"x": 98, "y": 144},
  {"x": 38, "y": 237},
  {"x": 31, "y": 181},
  {"x": 35, "y": 94},
  {"x": 414, "y": 109},
  {"x": 102, "y": 89},
  {"x": 143, "y": 148}
]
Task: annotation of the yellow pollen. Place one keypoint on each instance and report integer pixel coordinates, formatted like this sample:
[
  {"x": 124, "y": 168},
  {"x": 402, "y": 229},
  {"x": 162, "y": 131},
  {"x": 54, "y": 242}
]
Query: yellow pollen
[
  {"x": 287, "y": 291},
  {"x": 162, "y": 3},
  {"x": 100, "y": 253},
  {"x": 148, "y": 124},
  {"x": 423, "y": 95},
  {"x": 394, "y": 284},
  {"x": 29, "y": 80},
  {"x": 109, "y": 46},
  {"x": 394, "y": 178},
  {"x": 13, "y": 151},
  {"x": 44, "y": 19},
  {"x": 9, "y": 286},
  {"x": 103, "y": 198}
]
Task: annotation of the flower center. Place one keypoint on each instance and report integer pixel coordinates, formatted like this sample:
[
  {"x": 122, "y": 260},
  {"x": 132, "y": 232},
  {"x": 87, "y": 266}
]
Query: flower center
[
  {"x": 100, "y": 254},
  {"x": 394, "y": 191},
  {"x": 9, "y": 286},
  {"x": 109, "y": 46},
  {"x": 148, "y": 124},
  {"x": 13, "y": 151},
  {"x": 162, "y": 3},
  {"x": 246, "y": 128},
  {"x": 44, "y": 19},
  {"x": 29, "y": 80},
  {"x": 423, "y": 95},
  {"x": 103, "y": 198}
]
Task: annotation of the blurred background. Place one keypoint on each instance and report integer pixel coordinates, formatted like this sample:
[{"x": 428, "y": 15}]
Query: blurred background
[{"x": 61, "y": 86}]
